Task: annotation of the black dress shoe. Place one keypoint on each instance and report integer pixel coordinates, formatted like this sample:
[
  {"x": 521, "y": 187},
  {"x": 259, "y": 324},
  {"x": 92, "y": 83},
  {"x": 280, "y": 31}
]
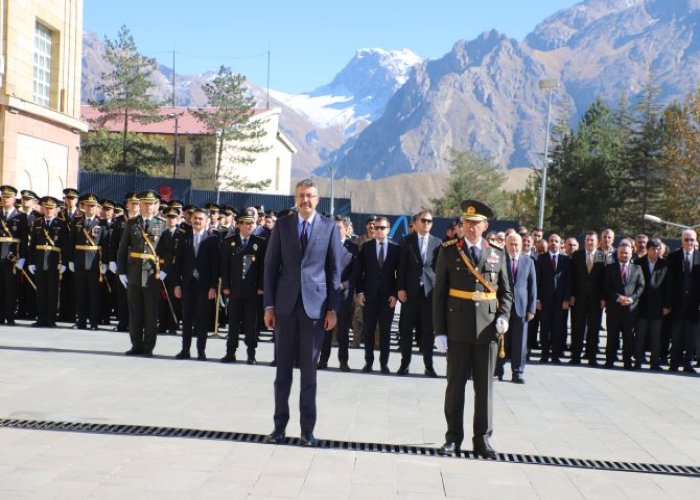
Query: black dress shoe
[
  {"x": 500, "y": 377},
  {"x": 308, "y": 440},
  {"x": 449, "y": 448},
  {"x": 385, "y": 370},
  {"x": 275, "y": 437},
  {"x": 593, "y": 363},
  {"x": 94, "y": 328},
  {"x": 367, "y": 368},
  {"x": 655, "y": 368},
  {"x": 148, "y": 354},
  {"x": 251, "y": 360},
  {"x": 201, "y": 356},
  {"x": 11, "y": 322},
  {"x": 133, "y": 352},
  {"x": 322, "y": 365},
  {"x": 430, "y": 372},
  {"x": 39, "y": 324},
  {"x": 556, "y": 361},
  {"x": 183, "y": 355},
  {"x": 77, "y": 326},
  {"x": 517, "y": 379},
  {"x": 344, "y": 367},
  {"x": 50, "y": 325},
  {"x": 688, "y": 368},
  {"x": 482, "y": 448},
  {"x": 544, "y": 359},
  {"x": 403, "y": 370},
  {"x": 228, "y": 358},
  {"x": 574, "y": 362},
  {"x": 609, "y": 364},
  {"x": 273, "y": 362}
]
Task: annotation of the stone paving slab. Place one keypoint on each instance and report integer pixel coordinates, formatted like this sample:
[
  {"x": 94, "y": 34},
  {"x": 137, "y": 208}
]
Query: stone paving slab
[{"x": 562, "y": 411}]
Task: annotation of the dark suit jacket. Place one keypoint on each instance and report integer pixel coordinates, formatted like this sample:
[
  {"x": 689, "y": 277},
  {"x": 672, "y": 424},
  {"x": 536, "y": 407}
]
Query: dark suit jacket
[
  {"x": 413, "y": 272},
  {"x": 584, "y": 285},
  {"x": 614, "y": 288},
  {"x": 315, "y": 275},
  {"x": 206, "y": 263},
  {"x": 683, "y": 297},
  {"x": 378, "y": 284},
  {"x": 524, "y": 285},
  {"x": 553, "y": 287},
  {"x": 655, "y": 288},
  {"x": 348, "y": 261},
  {"x": 242, "y": 267}
]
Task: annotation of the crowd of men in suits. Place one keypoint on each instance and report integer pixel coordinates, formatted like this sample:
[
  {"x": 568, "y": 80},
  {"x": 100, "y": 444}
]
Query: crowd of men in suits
[{"x": 156, "y": 267}]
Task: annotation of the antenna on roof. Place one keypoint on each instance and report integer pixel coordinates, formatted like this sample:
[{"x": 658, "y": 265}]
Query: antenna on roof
[
  {"x": 267, "y": 106},
  {"x": 173, "y": 78}
]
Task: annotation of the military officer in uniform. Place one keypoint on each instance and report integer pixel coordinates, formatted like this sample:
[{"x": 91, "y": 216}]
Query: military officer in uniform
[
  {"x": 169, "y": 305},
  {"x": 138, "y": 267},
  {"x": 109, "y": 288},
  {"x": 471, "y": 306},
  {"x": 71, "y": 214},
  {"x": 27, "y": 296},
  {"x": 131, "y": 200},
  {"x": 242, "y": 257},
  {"x": 14, "y": 235},
  {"x": 88, "y": 262},
  {"x": 47, "y": 256}
]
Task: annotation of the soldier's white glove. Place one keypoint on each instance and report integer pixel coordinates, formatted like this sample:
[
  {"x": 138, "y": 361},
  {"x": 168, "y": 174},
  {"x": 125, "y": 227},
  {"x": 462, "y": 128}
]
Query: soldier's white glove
[
  {"x": 61, "y": 269},
  {"x": 501, "y": 325},
  {"x": 71, "y": 266},
  {"x": 103, "y": 268},
  {"x": 113, "y": 267},
  {"x": 441, "y": 343},
  {"x": 124, "y": 280},
  {"x": 31, "y": 268},
  {"x": 20, "y": 264},
  {"x": 162, "y": 275}
]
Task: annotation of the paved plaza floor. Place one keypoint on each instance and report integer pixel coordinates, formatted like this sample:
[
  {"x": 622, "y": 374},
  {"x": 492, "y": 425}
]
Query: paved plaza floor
[{"x": 562, "y": 411}]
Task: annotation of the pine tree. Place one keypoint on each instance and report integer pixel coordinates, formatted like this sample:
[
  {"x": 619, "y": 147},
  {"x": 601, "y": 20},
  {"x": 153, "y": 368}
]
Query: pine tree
[{"x": 231, "y": 120}]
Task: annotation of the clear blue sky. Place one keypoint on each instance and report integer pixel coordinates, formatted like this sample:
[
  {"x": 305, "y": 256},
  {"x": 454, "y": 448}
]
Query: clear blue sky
[{"x": 309, "y": 41}]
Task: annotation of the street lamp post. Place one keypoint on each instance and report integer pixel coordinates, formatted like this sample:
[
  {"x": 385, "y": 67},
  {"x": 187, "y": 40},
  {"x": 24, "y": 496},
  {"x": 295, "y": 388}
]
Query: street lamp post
[
  {"x": 330, "y": 168},
  {"x": 659, "y": 220},
  {"x": 175, "y": 148},
  {"x": 549, "y": 86}
]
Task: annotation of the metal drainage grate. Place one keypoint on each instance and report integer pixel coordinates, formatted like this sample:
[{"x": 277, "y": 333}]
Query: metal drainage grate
[{"x": 179, "y": 432}]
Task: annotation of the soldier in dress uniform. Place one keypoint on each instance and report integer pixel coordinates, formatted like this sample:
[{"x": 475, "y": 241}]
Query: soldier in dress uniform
[
  {"x": 138, "y": 267},
  {"x": 471, "y": 306},
  {"x": 131, "y": 201},
  {"x": 109, "y": 288},
  {"x": 14, "y": 235},
  {"x": 27, "y": 296},
  {"x": 213, "y": 210},
  {"x": 167, "y": 248},
  {"x": 71, "y": 214},
  {"x": 242, "y": 258},
  {"x": 88, "y": 261},
  {"x": 47, "y": 256}
]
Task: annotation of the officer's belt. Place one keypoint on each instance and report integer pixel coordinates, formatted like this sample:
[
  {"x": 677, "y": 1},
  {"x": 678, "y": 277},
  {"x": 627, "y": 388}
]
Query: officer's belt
[
  {"x": 475, "y": 296},
  {"x": 87, "y": 248},
  {"x": 8, "y": 239},
  {"x": 143, "y": 256},
  {"x": 48, "y": 248}
]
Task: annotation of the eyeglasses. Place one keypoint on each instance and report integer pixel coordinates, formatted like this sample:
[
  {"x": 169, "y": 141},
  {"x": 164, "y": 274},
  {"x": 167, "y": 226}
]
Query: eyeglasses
[
  {"x": 688, "y": 239},
  {"x": 305, "y": 196},
  {"x": 381, "y": 228},
  {"x": 426, "y": 221}
]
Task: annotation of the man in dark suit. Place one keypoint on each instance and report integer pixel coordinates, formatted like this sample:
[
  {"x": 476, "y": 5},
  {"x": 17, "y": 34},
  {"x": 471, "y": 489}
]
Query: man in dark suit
[
  {"x": 553, "y": 293},
  {"x": 416, "y": 277},
  {"x": 348, "y": 261},
  {"x": 47, "y": 256},
  {"x": 623, "y": 285},
  {"x": 377, "y": 291},
  {"x": 14, "y": 238},
  {"x": 683, "y": 298},
  {"x": 196, "y": 268},
  {"x": 242, "y": 259},
  {"x": 138, "y": 267},
  {"x": 587, "y": 270},
  {"x": 523, "y": 282},
  {"x": 472, "y": 299},
  {"x": 301, "y": 297},
  {"x": 652, "y": 305}
]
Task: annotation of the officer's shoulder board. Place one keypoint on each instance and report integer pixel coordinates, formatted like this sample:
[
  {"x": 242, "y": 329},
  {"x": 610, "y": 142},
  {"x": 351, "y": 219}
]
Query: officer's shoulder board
[
  {"x": 449, "y": 243},
  {"x": 181, "y": 231},
  {"x": 497, "y": 247},
  {"x": 160, "y": 218}
]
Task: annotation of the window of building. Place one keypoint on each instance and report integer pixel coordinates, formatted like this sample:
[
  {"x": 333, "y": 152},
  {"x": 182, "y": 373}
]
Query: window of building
[
  {"x": 197, "y": 156},
  {"x": 181, "y": 155},
  {"x": 42, "y": 65}
]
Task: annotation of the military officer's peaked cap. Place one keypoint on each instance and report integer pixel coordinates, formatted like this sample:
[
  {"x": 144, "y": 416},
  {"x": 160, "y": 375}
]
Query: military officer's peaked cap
[
  {"x": 212, "y": 207},
  {"x": 476, "y": 210},
  {"x": 148, "y": 196},
  {"x": 171, "y": 212},
  {"x": 371, "y": 218},
  {"x": 176, "y": 204},
  {"x": 8, "y": 191},
  {"x": 131, "y": 196},
  {"x": 227, "y": 210},
  {"x": 29, "y": 195},
  {"x": 49, "y": 202},
  {"x": 247, "y": 215},
  {"x": 89, "y": 199},
  {"x": 190, "y": 208},
  {"x": 118, "y": 209},
  {"x": 107, "y": 204},
  {"x": 70, "y": 193}
]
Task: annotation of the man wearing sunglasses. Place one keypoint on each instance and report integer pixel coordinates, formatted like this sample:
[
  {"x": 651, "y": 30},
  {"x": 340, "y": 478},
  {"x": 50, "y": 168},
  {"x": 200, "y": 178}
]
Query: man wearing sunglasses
[{"x": 416, "y": 276}]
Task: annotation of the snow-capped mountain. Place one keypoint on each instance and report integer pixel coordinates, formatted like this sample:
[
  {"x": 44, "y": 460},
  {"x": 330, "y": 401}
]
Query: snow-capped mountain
[{"x": 358, "y": 93}]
